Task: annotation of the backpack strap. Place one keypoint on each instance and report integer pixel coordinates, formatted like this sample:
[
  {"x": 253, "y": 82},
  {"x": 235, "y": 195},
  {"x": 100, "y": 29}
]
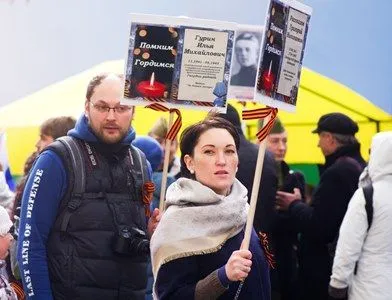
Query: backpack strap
[
  {"x": 77, "y": 162},
  {"x": 72, "y": 156},
  {"x": 368, "y": 193},
  {"x": 138, "y": 160}
]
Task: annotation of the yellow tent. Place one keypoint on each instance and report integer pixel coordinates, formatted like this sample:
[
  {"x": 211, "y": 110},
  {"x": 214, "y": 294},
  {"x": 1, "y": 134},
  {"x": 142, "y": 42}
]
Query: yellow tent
[{"x": 318, "y": 95}]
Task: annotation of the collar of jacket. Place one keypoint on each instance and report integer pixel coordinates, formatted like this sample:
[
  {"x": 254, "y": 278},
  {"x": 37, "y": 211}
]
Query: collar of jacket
[{"x": 347, "y": 150}]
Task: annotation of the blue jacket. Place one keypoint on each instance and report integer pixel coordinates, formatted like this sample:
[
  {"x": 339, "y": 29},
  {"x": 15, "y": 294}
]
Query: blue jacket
[{"x": 44, "y": 190}]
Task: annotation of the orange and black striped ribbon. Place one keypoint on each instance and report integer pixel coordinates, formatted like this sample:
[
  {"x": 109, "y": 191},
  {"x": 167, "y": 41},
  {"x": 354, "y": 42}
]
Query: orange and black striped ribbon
[
  {"x": 267, "y": 250},
  {"x": 175, "y": 128},
  {"x": 148, "y": 191},
  {"x": 18, "y": 289},
  {"x": 261, "y": 113}
]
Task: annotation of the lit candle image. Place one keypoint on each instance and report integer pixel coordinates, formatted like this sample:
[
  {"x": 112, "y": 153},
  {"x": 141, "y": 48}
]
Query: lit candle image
[
  {"x": 268, "y": 80},
  {"x": 151, "y": 88}
]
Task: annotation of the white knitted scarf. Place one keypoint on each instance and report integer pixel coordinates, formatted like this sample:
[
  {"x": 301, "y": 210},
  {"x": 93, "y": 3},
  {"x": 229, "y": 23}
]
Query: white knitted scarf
[{"x": 197, "y": 221}]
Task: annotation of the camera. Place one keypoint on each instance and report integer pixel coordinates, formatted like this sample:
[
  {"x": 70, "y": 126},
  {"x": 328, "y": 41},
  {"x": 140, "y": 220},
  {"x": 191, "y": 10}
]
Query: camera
[
  {"x": 131, "y": 240},
  {"x": 293, "y": 180}
]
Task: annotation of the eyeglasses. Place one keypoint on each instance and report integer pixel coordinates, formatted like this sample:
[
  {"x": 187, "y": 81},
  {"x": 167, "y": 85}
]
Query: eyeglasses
[{"x": 120, "y": 109}]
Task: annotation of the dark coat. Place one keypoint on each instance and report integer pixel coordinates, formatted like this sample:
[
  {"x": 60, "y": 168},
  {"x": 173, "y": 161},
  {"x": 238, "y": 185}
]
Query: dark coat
[
  {"x": 284, "y": 239},
  {"x": 177, "y": 279},
  {"x": 265, "y": 215},
  {"x": 319, "y": 223},
  {"x": 245, "y": 77}
]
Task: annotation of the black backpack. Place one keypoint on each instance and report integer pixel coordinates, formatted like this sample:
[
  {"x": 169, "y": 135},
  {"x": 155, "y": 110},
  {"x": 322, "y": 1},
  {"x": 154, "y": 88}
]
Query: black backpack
[{"x": 67, "y": 145}]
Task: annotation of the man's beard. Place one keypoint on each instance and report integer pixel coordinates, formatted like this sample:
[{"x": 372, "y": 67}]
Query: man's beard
[{"x": 109, "y": 139}]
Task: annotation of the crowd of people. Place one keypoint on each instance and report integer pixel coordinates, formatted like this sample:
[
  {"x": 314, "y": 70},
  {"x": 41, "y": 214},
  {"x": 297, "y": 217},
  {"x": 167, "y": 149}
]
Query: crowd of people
[{"x": 84, "y": 221}]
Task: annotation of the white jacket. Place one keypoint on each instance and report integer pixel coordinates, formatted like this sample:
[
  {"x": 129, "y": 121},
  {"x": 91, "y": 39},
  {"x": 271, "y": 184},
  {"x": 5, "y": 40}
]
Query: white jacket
[{"x": 372, "y": 249}]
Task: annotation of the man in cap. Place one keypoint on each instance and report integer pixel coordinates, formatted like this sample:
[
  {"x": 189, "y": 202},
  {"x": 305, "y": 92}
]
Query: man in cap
[
  {"x": 277, "y": 144},
  {"x": 319, "y": 222},
  {"x": 284, "y": 238}
]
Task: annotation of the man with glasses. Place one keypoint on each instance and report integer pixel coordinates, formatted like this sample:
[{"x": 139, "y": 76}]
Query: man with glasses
[{"x": 83, "y": 231}]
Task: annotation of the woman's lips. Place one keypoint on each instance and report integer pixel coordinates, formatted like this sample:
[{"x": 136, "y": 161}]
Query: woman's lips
[{"x": 222, "y": 172}]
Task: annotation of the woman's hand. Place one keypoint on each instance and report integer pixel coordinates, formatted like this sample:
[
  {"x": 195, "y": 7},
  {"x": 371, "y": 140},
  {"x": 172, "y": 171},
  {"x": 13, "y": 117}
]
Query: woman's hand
[
  {"x": 153, "y": 221},
  {"x": 239, "y": 264}
]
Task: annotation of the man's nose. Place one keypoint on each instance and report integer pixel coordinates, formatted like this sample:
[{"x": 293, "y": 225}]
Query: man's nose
[{"x": 111, "y": 114}]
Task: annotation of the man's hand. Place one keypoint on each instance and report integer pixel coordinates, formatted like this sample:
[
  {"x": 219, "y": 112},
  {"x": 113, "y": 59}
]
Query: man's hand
[
  {"x": 283, "y": 199},
  {"x": 153, "y": 221}
]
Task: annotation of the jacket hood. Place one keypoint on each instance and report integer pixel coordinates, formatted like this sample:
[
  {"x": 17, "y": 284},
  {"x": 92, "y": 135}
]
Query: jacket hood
[
  {"x": 380, "y": 162},
  {"x": 83, "y": 131}
]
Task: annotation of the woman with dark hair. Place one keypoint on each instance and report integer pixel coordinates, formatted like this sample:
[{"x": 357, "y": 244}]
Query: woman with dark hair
[{"x": 195, "y": 248}]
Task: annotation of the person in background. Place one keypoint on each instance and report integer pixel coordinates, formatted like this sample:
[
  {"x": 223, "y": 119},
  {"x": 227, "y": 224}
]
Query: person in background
[
  {"x": 284, "y": 238},
  {"x": 52, "y": 129},
  {"x": 151, "y": 149},
  {"x": 277, "y": 144},
  {"x": 158, "y": 132},
  {"x": 154, "y": 154},
  {"x": 362, "y": 268},
  {"x": 319, "y": 222},
  {"x": 6, "y": 195},
  {"x": 12, "y": 263},
  {"x": 6, "y": 290},
  {"x": 195, "y": 248}
]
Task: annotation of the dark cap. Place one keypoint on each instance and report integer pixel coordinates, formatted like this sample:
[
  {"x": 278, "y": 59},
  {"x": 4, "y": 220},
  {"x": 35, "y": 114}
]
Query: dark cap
[
  {"x": 232, "y": 116},
  {"x": 276, "y": 128},
  {"x": 336, "y": 123}
]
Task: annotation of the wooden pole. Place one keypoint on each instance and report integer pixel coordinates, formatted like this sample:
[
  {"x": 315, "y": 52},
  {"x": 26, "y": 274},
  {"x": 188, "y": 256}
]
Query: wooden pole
[
  {"x": 165, "y": 166},
  {"x": 255, "y": 189}
]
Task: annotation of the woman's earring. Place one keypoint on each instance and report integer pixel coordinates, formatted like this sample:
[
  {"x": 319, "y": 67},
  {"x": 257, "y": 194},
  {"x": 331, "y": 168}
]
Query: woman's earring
[{"x": 192, "y": 171}]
